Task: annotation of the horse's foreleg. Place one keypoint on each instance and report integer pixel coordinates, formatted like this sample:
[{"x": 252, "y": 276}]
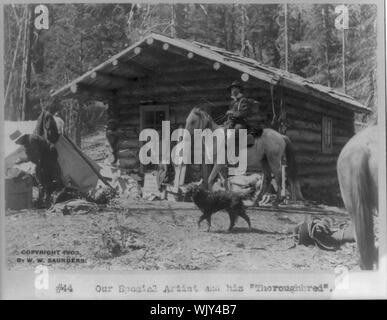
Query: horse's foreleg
[
  {"x": 225, "y": 182},
  {"x": 211, "y": 179},
  {"x": 264, "y": 188},
  {"x": 265, "y": 182}
]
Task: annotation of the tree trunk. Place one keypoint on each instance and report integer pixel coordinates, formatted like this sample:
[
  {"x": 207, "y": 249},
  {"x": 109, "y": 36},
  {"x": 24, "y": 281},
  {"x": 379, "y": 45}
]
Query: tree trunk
[
  {"x": 326, "y": 47},
  {"x": 173, "y": 21},
  {"x": 11, "y": 71},
  {"x": 78, "y": 128},
  {"x": 243, "y": 31},
  {"x": 26, "y": 65},
  {"x": 180, "y": 18}
]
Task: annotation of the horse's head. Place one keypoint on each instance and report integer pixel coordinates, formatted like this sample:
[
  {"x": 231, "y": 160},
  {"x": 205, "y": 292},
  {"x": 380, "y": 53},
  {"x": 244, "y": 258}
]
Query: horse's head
[{"x": 198, "y": 119}]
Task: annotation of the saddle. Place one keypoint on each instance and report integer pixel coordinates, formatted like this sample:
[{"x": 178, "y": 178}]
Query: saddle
[
  {"x": 251, "y": 135},
  {"x": 319, "y": 232}
]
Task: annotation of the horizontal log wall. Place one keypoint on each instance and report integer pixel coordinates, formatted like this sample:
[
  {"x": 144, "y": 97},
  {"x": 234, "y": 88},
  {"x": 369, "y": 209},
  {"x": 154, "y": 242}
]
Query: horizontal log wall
[
  {"x": 128, "y": 119},
  {"x": 317, "y": 170}
]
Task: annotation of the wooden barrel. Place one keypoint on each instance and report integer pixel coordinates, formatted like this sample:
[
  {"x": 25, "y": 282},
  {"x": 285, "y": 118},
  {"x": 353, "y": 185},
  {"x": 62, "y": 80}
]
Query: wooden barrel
[{"x": 18, "y": 193}]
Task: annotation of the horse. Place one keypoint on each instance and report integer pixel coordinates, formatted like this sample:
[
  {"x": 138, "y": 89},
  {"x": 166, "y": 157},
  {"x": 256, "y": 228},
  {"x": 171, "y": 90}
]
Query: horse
[
  {"x": 266, "y": 154},
  {"x": 357, "y": 170}
]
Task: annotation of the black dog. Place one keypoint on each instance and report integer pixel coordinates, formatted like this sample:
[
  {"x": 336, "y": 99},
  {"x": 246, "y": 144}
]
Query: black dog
[{"x": 211, "y": 202}]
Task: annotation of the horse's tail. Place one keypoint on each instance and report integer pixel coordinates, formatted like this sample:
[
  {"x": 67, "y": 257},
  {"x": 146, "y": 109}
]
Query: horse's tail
[
  {"x": 290, "y": 159},
  {"x": 358, "y": 200},
  {"x": 291, "y": 169}
]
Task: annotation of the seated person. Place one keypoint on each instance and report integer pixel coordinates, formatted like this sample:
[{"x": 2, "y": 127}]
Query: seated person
[
  {"x": 237, "y": 115},
  {"x": 40, "y": 152}
]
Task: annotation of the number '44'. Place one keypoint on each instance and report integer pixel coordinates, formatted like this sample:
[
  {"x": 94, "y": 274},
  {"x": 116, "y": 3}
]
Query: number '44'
[
  {"x": 41, "y": 17},
  {"x": 67, "y": 288}
]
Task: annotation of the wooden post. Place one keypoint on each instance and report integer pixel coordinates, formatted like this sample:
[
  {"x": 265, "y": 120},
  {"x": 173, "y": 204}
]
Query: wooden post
[
  {"x": 243, "y": 31},
  {"x": 173, "y": 21},
  {"x": 73, "y": 120},
  {"x": 283, "y": 185},
  {"x": 341, "y": 22},
  {"x": 326, "y": 52},
  {"x": 286, "y": 38},
  {"x": 343, "y": 48},
  {"x": 179, "y": 175},
  {"x": 78, "y": 120},
  {"x": 78, "y": 128}
]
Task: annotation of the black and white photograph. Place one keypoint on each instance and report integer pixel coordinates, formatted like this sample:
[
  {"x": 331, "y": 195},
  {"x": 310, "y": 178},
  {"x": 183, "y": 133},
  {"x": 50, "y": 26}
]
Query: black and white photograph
[{"x": 192, "y": 137}]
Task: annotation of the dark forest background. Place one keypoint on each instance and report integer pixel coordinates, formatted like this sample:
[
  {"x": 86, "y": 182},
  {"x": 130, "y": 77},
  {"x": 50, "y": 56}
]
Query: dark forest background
[{"x": 80, "y": 36}]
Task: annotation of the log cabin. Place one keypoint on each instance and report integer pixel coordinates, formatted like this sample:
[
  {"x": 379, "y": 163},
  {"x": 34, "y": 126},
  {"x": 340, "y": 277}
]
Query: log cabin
[{"x": 162, "y": 78}]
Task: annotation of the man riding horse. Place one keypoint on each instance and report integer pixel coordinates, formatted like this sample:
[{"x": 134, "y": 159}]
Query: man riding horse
[{"x": 240, "y": 109}]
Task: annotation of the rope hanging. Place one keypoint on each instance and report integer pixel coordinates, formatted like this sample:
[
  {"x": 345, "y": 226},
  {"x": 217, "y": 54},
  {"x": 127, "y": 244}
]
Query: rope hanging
[
  {"x": 281, "y": 116},
  {"x": 272, "y": 102}
]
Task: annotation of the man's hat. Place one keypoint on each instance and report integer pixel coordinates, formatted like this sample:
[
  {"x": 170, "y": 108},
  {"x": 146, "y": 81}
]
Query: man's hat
[
  {"x": 17, "y": 136},
  {"x": 236, "y": 84}
]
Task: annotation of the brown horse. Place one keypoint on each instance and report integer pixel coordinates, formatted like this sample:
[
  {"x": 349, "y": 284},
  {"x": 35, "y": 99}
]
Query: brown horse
[
  {"x": 266, "y": 155},
  {"x": 357, "y": 170}
]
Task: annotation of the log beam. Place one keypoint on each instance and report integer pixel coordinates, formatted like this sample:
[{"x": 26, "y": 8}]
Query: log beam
[
  {"x": 313, "y": 170},
  {"x": 310, "y": 92},
  {"x": 87, "y": 92},
  {"x": 160, "y": 54},
  {"x": 144, "y": 88},
  {"x": 315, "y": 148},
  {"x": 315, "y": 159},
  {"x": 113, "y": 80},
  {"x": 172, "y": 76},
  {"x": 303, "y": 135},
  {"x": 134, "y": 67},
  {"x": 195, "y": 98},
  {"x": 317, "y": 106},
  {"x": 294, "y": 122},
  {"x": 312, "y": 182}
]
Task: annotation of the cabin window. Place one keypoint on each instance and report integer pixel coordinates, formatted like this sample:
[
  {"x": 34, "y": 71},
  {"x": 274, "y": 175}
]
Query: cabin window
[
  {"x": 151, "y": 117},
  {"x": 327, "y": 139}
]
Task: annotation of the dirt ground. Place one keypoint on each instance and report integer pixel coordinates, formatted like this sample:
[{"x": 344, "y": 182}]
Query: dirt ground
[
  {"x": 157, "y": 237},
  {"x": 162, "y": 235}
]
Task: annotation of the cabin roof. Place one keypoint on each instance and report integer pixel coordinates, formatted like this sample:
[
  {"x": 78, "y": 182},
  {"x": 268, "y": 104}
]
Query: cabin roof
[{"x": 142, "y": 60}]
